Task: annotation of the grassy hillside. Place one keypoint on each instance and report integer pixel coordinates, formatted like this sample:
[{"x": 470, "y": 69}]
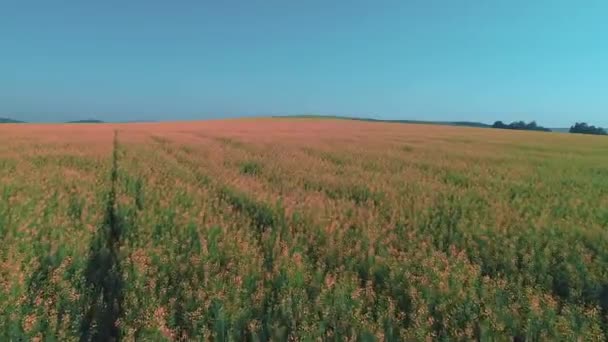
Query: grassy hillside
[
  {"x": 86, "y": 121},
  {"x": 326, "y": 230},
  {"x": 448, "y": 123}
]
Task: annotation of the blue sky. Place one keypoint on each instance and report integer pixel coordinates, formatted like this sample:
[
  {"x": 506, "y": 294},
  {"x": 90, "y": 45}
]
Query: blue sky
[{"x": 544, "y": 60}]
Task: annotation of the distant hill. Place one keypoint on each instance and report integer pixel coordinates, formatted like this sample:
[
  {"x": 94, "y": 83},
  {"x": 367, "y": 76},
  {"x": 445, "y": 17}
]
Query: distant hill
[
  {"x": 137, "y": 121},
  {"x": 8, "y": 120},
  {"x": 467, "y": 123},
  {"x": 101, "y": 121},
  {"x": 86, "y": 121},
  {"x": 448, "y": 123}
]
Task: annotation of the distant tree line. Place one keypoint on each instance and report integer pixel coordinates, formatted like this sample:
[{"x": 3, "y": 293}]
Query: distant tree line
[
  {"x": 583, "y": 128},
  {"x": 520, "y": 125},
  {"x": 579, "y": 127}
]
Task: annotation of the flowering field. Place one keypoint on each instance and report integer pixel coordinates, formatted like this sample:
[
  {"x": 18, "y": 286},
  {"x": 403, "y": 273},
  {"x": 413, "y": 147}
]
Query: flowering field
[{"x": 301, "y": 229}]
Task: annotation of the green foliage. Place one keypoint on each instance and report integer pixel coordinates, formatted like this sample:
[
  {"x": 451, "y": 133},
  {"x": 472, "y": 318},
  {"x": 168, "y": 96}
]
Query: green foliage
[
  {"x": 75, "y": 207},
  {"x": 250, "y": 168},
  {"x": 359, "y": 194},
  {"x": 456, "y": 179},
  {"x": 583, "y": 128},
  {"x": 520, "y": 125},
  {"x": 262, "y": 216}
]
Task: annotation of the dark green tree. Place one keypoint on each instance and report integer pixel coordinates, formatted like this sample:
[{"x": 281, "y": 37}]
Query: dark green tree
[{"x": 584, "y": 128}]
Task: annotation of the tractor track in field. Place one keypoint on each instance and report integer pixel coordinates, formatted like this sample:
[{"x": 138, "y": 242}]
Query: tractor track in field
[{"x": 103, "y": 274}]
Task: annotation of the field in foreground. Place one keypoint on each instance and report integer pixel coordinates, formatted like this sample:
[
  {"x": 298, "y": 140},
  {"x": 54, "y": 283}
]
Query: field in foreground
[{"x": 301, "y": 229}]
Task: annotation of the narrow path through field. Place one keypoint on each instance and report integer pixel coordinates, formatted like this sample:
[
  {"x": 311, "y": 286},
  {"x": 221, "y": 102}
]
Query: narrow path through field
[{"x": 103, "y": 274}]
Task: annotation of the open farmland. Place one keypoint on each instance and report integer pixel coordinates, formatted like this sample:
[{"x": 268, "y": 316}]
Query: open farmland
[{"x": 301, "y": 229}]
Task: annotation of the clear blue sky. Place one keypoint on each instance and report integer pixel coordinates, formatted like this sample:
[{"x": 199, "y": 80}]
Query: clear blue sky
[{"x": 478, "y": 60}]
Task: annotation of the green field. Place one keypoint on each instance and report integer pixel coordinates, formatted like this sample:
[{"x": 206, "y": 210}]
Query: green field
[{"x": 307, "y": 229}]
